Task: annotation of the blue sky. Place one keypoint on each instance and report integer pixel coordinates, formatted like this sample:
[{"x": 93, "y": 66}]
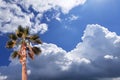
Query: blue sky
[
  {"x": 77, "y": 35},
  {"x": 105, "y": 13}
]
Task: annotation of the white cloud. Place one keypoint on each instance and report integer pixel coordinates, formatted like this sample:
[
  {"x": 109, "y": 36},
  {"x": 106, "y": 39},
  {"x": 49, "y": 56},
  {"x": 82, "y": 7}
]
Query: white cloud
[
  {"x": 57, "y": 17},
  {"x": 52, "y": 63},
  {"x": 96, "y": 56},
  {"x": 96, "y": 43},
  {"x": 73, "y": 17},
  {"x": 42, "y": 28},
  {"x": 41, "y": 6},
  {"x": 66, "y": 6},
  {"x": 110, "y": 57},
  {"x": 92, "y": 58},
  {"x": 89, "y": 60},
  {"x": 11, "y": 16},
  {"x": 17, "y": 12}
]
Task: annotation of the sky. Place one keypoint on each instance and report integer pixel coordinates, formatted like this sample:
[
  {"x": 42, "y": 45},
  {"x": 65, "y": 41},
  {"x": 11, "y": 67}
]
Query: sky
[{"x": 81, "y": 39}]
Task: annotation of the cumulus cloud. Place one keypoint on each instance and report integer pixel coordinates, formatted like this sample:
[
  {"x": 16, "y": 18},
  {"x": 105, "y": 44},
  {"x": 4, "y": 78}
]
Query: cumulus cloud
[
  {"x": 95, "y": 58},
  {"x": 42, "y": 28},
  {"x": 45, "y": 5},
  {"x": 29, "y": 13},
  {"x": 99, "y": 41},
  {"x": 10, "y": 16}
]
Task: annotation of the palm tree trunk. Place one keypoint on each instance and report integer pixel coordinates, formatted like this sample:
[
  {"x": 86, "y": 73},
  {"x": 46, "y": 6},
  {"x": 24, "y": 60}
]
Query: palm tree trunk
[
  {"x": 23, "y": 61},
  {"x": 24, "y": 71}
]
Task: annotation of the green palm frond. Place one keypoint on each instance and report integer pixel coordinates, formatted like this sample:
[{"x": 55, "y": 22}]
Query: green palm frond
[
  {"x": 10, "y": 44},
  {"x": 19, "y": 34},
  {"x": 31, "y": 55},
  {"x": 13, "y": 36},
  {"x": 20, "y": 28},
  {"x": 20, "y": 31},
  {"x": 34, "y": 37},
  {"x": 23, "y": 37},
  {"x": 30, "y": 52},
  {"x": 14, "y": 54},
  {"x": 37, "y": 41},
  {"x": 36, "y": 50},
  {"x": 26, "y": 31},
  {"x": 28, "y": 37}
]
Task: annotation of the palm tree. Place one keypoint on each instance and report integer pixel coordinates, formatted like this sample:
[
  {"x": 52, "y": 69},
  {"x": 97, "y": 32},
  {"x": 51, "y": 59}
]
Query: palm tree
[{"x": 24, "y": 41}]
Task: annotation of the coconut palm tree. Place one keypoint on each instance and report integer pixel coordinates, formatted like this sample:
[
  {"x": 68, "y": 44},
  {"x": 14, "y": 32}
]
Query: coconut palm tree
[{"x": 24, "y": 41}]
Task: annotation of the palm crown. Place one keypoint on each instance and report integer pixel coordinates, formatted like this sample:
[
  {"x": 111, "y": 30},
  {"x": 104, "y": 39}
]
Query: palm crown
[{"x": 23, "y": 37}]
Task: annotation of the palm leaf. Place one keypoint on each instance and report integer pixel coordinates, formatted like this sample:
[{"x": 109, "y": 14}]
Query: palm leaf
[
  {"x": 28, "y": 37},
  {"x": 34, "y": 37},
  {"x": 30, "y": 51},
  {"x": 13, "y": 36},
  {"x": 37, "y": 41},
  {"x": 36, "y": 50},
  {"x": 26, "y": 31},
  {"x": 31, "y": 55},
  {"x": 22, "y": 34},
  {"x": 10, "y": 44},
  {"x": 20, "y": 31},
  {"x": 20, "y": 28},
  {"x": 19, "y": 34},
  {"x": 14, "y": 54}
]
